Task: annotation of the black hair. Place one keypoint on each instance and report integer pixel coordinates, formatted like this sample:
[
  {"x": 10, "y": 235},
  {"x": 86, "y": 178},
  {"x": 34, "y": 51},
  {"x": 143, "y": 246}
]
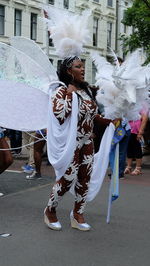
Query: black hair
[
  {"x": 63, "y": 74},
  {"x": 65, "y": 77}
]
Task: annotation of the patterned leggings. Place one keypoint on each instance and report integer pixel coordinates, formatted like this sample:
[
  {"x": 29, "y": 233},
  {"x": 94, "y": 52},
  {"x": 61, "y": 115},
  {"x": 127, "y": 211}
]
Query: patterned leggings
[{"x": 79, "y": 173}]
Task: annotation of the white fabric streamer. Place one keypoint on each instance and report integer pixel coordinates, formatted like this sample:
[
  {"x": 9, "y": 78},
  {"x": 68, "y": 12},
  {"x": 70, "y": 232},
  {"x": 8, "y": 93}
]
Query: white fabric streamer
[
  {"x": 61, "y": 139},
  {"x": 101, "y": 161}
]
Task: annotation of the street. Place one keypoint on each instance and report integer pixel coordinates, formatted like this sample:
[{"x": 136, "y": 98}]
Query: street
[{"x": 123, "y": 242}]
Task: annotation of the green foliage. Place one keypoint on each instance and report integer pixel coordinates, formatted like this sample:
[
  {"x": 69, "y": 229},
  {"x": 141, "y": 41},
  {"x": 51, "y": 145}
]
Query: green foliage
[{"x": 137, "y": 16}]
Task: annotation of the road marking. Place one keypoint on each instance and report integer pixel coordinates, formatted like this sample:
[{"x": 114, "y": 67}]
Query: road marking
[
  {"x": 14, "y": 171},
  {"x": 27, "y": 190}
]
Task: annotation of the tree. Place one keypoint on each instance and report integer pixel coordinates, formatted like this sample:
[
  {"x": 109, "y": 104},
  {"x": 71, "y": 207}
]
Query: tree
[{"x": 137, "y": 16}]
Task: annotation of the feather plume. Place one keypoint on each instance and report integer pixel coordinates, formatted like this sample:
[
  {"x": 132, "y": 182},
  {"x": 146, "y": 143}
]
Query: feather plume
[
  {"x": 114, "y": 57},
  {"x": 123, "y": 89},
  {"x": 69, "y": 32}
]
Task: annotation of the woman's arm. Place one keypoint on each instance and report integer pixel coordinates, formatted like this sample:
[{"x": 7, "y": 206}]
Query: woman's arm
[
  {"x": 144, "y": 119},
  {"x": 62, "y": 104}
]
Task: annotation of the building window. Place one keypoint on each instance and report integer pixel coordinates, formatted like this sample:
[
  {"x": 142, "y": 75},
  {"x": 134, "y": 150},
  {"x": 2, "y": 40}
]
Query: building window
[
  {"x": 18, "y": 22},
  {"x": 97, "y": 1},
  {"x": 2, "y": 20},
  {"x": 66, "y": 4},
  {"x": 110, "y": 3},
  {"x": 95, "y": 31},
  {"x": 33, "y": 26},
  {"x": 52, "y": 2},
  {"x": 109, "y": 33},
  {"x": 51, "y": 42}
]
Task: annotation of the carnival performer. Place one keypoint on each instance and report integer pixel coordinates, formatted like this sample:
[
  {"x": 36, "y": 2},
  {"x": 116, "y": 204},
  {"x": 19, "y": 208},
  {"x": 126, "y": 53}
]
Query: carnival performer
[
  {"x": 74, "y": 104},
  {"x": 79, "y": 171}
]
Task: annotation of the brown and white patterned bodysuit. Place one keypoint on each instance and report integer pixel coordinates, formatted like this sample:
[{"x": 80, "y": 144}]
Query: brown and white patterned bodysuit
[{"x": 80, "y": 169}]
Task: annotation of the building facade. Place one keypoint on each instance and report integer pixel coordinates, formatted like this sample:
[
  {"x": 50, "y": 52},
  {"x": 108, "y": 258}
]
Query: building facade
[
  {"x": 121, "y": 6},
  {"x": 22, "y": 18}
]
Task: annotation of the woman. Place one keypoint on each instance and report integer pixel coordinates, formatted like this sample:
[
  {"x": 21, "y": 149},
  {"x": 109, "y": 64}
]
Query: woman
[
  {"x": 79, "y": 171},
  {"x": 134, "y": 150}
]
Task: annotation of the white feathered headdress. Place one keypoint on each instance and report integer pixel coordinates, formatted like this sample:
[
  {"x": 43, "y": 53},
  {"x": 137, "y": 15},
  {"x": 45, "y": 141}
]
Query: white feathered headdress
[{"x": 68, "y": 31}]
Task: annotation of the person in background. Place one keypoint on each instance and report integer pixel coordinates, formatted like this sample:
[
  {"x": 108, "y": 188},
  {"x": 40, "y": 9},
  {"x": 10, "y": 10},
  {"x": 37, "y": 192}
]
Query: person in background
[
  {"x": 5, "y": 155},
  {"x": 134, "y": 150},
  {"x": 15, "y": 137},
  {"x": 28, "y": 140},
  {"x": 38, "y": 152}
]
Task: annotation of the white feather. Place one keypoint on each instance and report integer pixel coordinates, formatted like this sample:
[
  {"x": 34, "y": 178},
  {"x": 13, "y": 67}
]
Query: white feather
[
  {"x": 123, "y": 89},
  {"x": 68, "y": 31},
  {"x": 114, "y": 57}
]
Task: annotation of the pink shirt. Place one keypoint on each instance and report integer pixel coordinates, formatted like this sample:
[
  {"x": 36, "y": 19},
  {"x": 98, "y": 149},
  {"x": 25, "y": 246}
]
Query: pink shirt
[{"x": 135, "y": 125}]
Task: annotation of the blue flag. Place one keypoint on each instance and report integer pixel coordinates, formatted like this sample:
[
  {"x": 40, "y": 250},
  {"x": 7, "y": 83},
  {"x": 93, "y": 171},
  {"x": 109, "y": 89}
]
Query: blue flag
[{"x": 114, "y": 155}]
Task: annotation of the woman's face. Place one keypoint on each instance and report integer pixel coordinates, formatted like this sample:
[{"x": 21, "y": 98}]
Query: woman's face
[{"x": 77, "y": 71}]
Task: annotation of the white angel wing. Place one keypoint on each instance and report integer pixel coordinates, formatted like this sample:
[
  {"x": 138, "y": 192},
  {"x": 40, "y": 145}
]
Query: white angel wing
[
  {"x": 34, "y": 51},
  {"x": 104, "y": 68},
  {"x": 17, "y": 66},
  {"x": 108, "y": 91},
  {"x": 134, "y": 76},
  {"x": 133, "y": 61},
  {"x": 22, "y": 107},
  {"x": 23, "y": 83}
]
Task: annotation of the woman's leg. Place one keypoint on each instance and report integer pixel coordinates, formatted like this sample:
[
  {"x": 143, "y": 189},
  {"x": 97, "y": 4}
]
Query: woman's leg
[
  {"x": 130, "y": 154},
  {"x": 84, "y": 174},
  {"x": 31, "y": 139},
  {"x": 38, "y": 151},
  {"x": 138, "y": 156},
  {"x": 61, "y": 187}
]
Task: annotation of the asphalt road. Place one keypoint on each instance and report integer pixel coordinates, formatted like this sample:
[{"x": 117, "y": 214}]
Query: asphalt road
[{"x": 123, "y": 242}]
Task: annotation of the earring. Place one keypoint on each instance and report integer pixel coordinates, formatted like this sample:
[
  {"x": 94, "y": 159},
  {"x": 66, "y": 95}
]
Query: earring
[{"x": 72, "y": 77}]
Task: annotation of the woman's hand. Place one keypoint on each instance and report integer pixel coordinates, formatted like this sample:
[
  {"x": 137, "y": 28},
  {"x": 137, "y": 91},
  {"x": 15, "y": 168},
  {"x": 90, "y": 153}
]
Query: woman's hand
[
  {"x": 116, "y": 122},
  {"x": 139, "y": 137}
]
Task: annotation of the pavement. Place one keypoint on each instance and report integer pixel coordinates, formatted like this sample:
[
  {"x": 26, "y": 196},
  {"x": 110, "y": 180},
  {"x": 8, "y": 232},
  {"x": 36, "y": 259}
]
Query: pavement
[{"x": 123, "y": 242}]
